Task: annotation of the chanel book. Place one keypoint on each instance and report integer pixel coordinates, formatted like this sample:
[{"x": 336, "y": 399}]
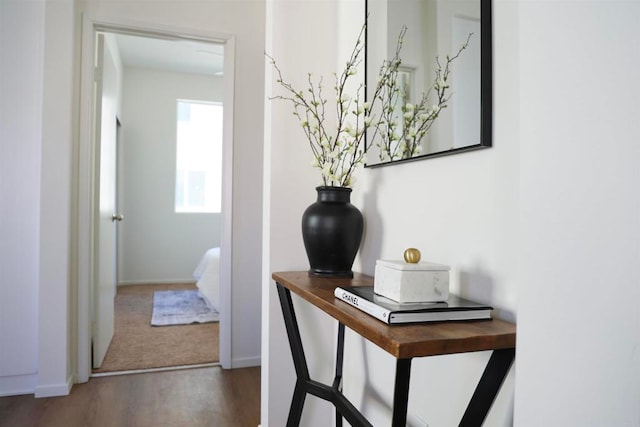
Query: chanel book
[{"x": 392, "y": 312}]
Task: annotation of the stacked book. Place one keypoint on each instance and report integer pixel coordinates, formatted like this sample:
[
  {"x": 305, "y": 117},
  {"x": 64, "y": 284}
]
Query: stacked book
[{"x": 393, "y": 312}]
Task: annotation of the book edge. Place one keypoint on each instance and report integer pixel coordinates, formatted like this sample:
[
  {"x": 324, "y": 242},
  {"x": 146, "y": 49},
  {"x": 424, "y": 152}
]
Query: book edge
[{"x": 481, "y": 312}]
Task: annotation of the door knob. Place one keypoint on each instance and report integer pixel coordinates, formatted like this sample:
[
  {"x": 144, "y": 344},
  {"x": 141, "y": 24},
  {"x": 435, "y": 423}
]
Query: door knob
[{"x": 115, "y": 217}]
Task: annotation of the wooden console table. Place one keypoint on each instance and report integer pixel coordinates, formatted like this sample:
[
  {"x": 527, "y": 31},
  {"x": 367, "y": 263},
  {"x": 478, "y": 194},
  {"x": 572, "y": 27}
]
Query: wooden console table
[{"x": 404, "y": 342}]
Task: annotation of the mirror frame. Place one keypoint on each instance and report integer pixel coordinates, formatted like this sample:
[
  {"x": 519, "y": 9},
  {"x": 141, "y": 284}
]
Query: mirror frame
[{"x": 486, "y": 88}]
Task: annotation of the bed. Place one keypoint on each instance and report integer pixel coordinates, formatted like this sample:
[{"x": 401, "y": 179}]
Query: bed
[{"x": 207, "y": 275}]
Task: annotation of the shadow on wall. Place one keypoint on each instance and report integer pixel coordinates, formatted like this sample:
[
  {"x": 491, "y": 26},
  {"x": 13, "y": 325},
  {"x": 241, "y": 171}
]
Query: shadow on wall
[
  {"x": 371, "y": 245},
  {"x": 477, "y": 284},
  {"x": 373, "y": 397}
]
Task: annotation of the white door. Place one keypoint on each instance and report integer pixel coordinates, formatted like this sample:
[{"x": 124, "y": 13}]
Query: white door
[{"x": 105, "y": 131}]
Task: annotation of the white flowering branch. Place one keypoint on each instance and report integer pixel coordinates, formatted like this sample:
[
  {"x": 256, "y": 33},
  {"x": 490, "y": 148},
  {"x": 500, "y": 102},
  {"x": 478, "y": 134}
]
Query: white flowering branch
[
  {"x": 416, "y": 119},
  {"x": 386, "y": 93},
  {"x": 336, "y": 155}
]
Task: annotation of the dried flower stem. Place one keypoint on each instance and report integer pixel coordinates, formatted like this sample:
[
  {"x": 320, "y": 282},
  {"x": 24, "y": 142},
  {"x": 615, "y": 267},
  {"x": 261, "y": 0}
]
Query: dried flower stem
[
  {"x": 337, "y": 155},
  {"x": 416, "y": 119}
]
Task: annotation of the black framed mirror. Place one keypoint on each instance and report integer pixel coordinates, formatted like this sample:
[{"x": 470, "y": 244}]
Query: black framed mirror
[{"x": 436, "y": 31}]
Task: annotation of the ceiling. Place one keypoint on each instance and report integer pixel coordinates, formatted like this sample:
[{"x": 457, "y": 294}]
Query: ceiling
[{"x": 182, "y": 55}]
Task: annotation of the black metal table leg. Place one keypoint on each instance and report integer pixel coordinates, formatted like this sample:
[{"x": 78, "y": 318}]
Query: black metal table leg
[
  {"x": 337, "y": 381},
  {"x": 401, "y": 393},
  {"x": 304, "y": 384},
  {"x": 488, "y": 387},
  {"x": 297, "y": 403},
  {"x": 344, "y": 408},
  {"x": 297, "y": 352}
]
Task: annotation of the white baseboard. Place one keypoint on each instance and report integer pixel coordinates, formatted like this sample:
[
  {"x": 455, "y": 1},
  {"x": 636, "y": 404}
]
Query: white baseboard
[
  {"x": 53, "y": 390},
  {"x": 190, "y": 280},
  {"x": 16, "y": 385},
  {"x": 247, "y": 362}
]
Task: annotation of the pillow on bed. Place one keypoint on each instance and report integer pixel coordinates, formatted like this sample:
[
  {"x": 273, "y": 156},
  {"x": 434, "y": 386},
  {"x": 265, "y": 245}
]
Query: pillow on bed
[
  {"x": 207, "y": 273},
  {"x": 202, "y": 265}
]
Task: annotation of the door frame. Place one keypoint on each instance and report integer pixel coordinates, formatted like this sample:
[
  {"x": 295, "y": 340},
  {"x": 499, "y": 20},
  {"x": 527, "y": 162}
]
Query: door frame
[{"x": 86, "y": 192}]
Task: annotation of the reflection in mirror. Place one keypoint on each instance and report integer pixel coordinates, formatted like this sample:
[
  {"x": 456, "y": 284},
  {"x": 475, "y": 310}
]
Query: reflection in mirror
[{"x": 436, "y": 30}]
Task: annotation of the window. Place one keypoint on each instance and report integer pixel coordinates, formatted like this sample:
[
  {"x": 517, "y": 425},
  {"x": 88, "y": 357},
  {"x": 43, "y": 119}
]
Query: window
[{"x": 198, "y": 157}]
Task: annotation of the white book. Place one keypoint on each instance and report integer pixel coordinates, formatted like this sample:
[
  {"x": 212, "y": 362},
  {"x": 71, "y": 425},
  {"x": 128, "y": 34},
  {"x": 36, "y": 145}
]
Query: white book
[{"x": 392, "y": 312}]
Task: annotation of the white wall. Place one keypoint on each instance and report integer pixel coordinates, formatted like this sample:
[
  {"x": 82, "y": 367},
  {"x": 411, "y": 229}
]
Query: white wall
[
  {"x": 158, "y": 244},
  {"x": 36, "y": 140},
  {"x": 59, "y": 130},
  {"x": 21, "y": 53},
  {"x": 578, "y": 316}
]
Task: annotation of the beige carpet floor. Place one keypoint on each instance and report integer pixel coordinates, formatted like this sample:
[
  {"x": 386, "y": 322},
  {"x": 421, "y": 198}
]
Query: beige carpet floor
[{"x": 138, "y": 345}]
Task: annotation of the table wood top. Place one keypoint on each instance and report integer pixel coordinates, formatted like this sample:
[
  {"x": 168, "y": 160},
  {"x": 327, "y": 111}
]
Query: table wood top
[{"x": 401, "y": 341}]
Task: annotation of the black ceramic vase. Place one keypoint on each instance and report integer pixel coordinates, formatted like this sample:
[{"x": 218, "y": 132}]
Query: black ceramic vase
[{"x": 332, "y": 231}]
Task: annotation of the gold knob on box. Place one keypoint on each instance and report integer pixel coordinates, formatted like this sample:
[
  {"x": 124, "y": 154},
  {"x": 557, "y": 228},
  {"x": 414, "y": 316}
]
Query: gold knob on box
[{"x": 412, "y": 256}]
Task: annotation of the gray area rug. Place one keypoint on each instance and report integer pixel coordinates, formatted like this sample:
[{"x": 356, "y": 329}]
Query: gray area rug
[{"x": 181, "y": 308}]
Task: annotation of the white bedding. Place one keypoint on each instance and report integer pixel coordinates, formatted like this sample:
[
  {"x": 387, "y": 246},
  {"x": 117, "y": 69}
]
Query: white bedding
[{"x": 207, "y": 274}]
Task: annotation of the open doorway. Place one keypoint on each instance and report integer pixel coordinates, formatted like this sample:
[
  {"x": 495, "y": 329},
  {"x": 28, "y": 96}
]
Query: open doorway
[{"x": 161, "y": 245}]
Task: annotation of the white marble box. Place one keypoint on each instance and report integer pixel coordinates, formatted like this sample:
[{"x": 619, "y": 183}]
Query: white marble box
[{"x": 405, "y": 282}]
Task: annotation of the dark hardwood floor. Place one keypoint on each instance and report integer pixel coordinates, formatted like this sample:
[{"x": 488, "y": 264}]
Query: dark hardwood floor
[{"x": 191, "y": 397}]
